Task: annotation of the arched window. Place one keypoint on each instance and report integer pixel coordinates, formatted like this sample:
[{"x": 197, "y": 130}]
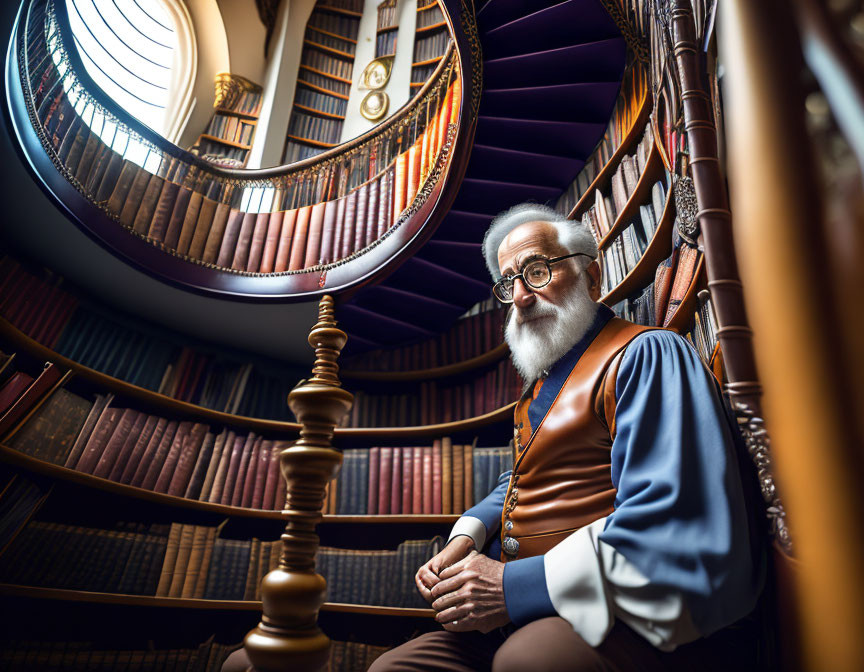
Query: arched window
[{"x": 142, "y": 54}]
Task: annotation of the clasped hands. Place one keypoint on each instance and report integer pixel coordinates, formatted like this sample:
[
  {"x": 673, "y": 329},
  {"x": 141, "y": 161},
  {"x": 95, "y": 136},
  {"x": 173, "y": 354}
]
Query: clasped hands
[{"x": 465, "y": 587}]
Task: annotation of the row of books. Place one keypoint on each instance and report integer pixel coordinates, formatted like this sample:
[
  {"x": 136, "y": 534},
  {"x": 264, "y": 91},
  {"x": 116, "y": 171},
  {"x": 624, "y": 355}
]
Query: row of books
[
  {"x": 388, "y": 14},
  {"x": 430, "y": 46},
  {"x": 139, "y": 353},
  {"x": 45, "y": 655},
  {"x": 421, "y": 73},
  {"x": 469, "y": 337},
  {"x": 385, "y": 43},
  {"x": 320, "y": 101},
  {"x": 180, "y": 458},
  {"x": 327, "y": 43},
  {"x": 315, "y": 128},
  {"x": 184, "y": 210},
  {"x": 335, "y": 23},
  {"x": 192, "y": 562},
  {"x": 349, "y": 5},
  {"x": 220, "y": 154},
  {"x": 299, "y": 151},
  {"x": 249, "y": 102},
  {"x": 325, "y": 85},
  {"x": 232, "y": 129},
  {"x": 638, "y": 309},
  {"x": 428, "y": 14},
  {"x": 634, "y": 87},
  {"x": 443, "y": 478},
  {"x": 605, "y": 209},
  {"x": 621, "y": 256},
  {"x": 434, "y": 403},
  {"x": 703, "y": 335},
  {"x": 326, "y": 63}
]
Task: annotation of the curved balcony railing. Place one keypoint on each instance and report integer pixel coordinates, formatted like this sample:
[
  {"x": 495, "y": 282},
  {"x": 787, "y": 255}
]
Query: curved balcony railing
[{"x": 321, "y": 225}]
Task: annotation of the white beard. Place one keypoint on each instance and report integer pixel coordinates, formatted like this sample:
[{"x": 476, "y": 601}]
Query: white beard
[{"x": 537, "y": 344}]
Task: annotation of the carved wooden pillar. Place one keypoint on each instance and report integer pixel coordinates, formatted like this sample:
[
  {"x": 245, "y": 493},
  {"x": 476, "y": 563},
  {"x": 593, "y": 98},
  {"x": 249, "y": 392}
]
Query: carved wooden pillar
[{"x": 288, "y": 636}]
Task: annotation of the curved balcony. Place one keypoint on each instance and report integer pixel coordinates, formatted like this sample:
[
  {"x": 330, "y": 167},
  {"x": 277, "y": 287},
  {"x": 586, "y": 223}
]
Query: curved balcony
[{"x": 322, "y": 225}]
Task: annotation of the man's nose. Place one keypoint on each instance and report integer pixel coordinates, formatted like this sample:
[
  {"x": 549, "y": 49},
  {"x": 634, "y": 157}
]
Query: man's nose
[{"x": 522, "y": 296}]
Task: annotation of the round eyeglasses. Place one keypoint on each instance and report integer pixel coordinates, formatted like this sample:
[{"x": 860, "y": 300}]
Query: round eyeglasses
[{"x": 535, "y": 274}]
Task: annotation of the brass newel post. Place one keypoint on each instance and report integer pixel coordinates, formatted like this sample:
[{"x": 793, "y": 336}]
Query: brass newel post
[{"x": 288, "y": 638}]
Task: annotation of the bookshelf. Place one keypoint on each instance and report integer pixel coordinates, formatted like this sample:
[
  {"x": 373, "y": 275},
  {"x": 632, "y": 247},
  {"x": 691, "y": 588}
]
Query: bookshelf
[
  {"x": 387, "y": 25},
  {"x": 229, "y": 135},
  {"x": 324, "y": 79},
  {"x": 431, "y": 35}
]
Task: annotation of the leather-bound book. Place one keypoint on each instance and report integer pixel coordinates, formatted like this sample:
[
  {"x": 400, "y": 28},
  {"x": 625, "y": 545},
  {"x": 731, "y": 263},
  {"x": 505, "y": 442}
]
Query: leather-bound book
[
  {"x": 631, "y": 174},
  {"x": 135, "y": 440},
  {"x": 407, "y": 480},
  {"x": 413, "y": 180},
  {"x": 385, "y": 478},
  {"x": 133, "y": 198},
  {"x": 100, "y": 164},
  {"x": 458, "y": 479},
  {"x": 385, "y": 206},
  {"x": 115, "y": 443},
  {"x": 425, "y": 148},
  {"x": 251, "y": 568},
  {"x": 251, "y": 475},
  {"x": 190, "y": 220},
  {"x": 170, "y": 559},
  {"x": 286, "y": 235},
  {"x": 663, "y": 278},
  {"x": 273, "y": 477},
  {"x": 298, "y": 243},
  {"x": 684, "y": 272},
  {"x": 147, "y": 208},
  {"x": 154, "y": 457},
  {"x": 203, "y": 572},
  {"x": 234, "y": 459},
  {"x": 162, "y": 212},
  {"x": 206, "y": 213},
  {"x": 619, "y": 190},
  {"x": 189, "y": 450},
  {"x": 212, "y": 466},
  {"x": 313, "y": 244},
  {"x": 216, "y": 233},
  {"x": 256, "y": 248},
  {"x": 50, "y": 432},
  {"x": 468, "y": 473},
  {"x": 265, "y": 454},
  {"x": 348, "y": 225},
  {"x": 184, "y": 550},
  {"x": 169, "y": 462},
  {"x": 98, "y": 439},
  {"x": 238, "y": 483},
  {"x": 396, "y": 482},
  {"x": 271, "y": 242},
  {"x": 360, "y": 218},
  {"x": 88, "y": 158},
  {"x": 445, "y": 117},
  {"x": 428, "y": 478},
  {"x": 437, "y": 486},
  {"x": 199, "y": 471},
  {"x": 68, "y": 141},
  {"x": 229, "y": 241},
  {"x": 109, "y": 178},
  {"x": 244, "y": 241},
  {"x": 371, "y": 226},
  {"x": 76, "y": 149},
  {"x": 339, "y": 229},
  {"x": 135, "y": 472},
  {"x": 447, "y": 475},
  {"x": 178, "y": 216},
  {"x": 117, "y": 199},
  {"x": 222, "y": 469},
  {"x": 400, "y": 185},
  {"x": 328, "y": 229},
  {"x": 374, "y": 474},
  {"x": 13, "y": 389},
  {"x": 200, "y": 536}
]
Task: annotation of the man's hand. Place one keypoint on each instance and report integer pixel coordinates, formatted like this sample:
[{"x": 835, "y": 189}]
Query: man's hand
[
  {"x": 427, "y": 576},
  {"x": 470, "y": 595}
]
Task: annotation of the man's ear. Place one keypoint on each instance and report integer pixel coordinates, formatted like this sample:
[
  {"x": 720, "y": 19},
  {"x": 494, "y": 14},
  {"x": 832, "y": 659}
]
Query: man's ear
[{"x": 593, "y": 272}]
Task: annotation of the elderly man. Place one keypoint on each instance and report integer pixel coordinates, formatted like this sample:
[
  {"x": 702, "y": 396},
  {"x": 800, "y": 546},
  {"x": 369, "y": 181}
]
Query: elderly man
[{"x": 621, "y": 539}]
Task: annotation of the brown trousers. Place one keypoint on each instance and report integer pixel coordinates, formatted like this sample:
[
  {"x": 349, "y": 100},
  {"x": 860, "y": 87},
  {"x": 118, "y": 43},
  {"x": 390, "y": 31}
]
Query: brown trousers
[{"x": 551, "y": 645}]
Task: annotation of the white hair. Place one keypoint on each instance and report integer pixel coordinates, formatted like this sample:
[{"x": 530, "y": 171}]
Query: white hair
[{"x": 573, "y": 235}]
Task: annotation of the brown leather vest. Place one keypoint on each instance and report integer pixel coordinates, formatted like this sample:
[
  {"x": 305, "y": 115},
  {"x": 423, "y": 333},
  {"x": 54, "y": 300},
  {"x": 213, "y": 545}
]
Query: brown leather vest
[{"x": 562, "y": 477}]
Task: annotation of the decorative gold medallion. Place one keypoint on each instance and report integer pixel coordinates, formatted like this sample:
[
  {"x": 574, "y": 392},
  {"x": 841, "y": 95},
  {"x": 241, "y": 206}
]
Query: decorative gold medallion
[
  {"x": 375, "y": 105},
  {"x": 376, "y": 74}
]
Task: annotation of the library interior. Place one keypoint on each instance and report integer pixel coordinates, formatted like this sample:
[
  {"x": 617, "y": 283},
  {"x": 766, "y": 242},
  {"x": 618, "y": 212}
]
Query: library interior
[{"x": 315, "y": 315}]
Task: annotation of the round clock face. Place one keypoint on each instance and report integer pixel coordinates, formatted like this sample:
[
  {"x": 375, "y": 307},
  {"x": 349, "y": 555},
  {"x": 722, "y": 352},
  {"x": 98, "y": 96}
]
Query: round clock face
[{"x": 374, "y": 105}]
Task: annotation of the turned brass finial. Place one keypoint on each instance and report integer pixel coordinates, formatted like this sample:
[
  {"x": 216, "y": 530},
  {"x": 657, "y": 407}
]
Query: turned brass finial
[{"x": 288, "y": 636}]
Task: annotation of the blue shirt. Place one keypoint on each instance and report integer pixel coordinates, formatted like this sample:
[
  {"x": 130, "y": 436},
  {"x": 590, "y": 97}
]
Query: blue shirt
[{"x": 679, "y": 514}]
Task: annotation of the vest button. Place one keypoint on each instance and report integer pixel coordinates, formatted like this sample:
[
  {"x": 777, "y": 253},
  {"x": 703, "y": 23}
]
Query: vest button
[
  {"x": 508, "y": 525},
  {"x": 510, "y": 546}
]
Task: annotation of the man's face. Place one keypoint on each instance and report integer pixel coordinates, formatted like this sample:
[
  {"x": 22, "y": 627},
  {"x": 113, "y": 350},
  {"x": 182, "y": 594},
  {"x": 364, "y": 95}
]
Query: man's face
[
  {"x": 543, "y": 324},
  {"x": 535, "y": 240}
]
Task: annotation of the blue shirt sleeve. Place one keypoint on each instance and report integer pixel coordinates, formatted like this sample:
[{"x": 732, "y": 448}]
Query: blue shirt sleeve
[
  {"x": 680, "y": 514},
  {"x": 488, "y": 511}
]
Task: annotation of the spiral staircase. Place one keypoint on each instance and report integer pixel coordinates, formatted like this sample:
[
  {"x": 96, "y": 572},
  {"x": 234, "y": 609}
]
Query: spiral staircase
[{"x": 538, "y": 83}]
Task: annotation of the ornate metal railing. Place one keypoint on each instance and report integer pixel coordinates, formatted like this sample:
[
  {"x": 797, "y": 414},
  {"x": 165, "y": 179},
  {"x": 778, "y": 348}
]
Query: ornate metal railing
[{"x": 319, "y": 225}]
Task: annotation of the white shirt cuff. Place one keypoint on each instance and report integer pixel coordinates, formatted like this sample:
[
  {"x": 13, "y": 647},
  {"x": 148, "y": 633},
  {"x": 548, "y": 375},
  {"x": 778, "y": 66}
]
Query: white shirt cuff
[{"x": 471, "y": 527}]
